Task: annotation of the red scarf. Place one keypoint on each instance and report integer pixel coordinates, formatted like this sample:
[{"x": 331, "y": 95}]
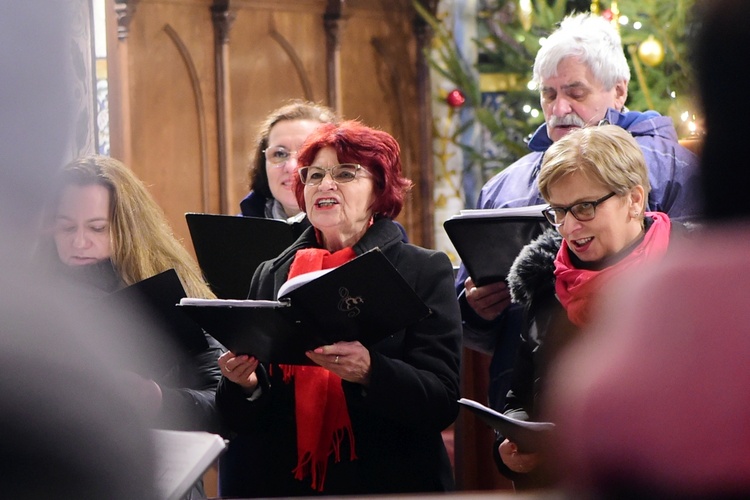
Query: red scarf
[
  {"x": 576, "y": 287},
  {"x": 320, "y": 405}
]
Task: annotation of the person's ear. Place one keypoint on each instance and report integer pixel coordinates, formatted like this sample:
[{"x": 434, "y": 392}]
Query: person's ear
[
  {"x": 637, "y": 201},
  {"x": 621, "y": 94}
]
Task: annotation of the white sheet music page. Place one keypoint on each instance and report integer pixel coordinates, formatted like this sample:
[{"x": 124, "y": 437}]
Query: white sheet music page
[{"x": 182, "y": 457}]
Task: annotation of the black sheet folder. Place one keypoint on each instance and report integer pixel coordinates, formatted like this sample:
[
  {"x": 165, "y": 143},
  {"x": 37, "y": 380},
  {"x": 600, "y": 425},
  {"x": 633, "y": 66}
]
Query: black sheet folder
[
  {"x": 528, "y": 436},
  {"x": 229, "y": 248},
  {"x": 154, "y": 320},
  {"x": 489, "y": 240},
  {"x": 365, "y": 299}
]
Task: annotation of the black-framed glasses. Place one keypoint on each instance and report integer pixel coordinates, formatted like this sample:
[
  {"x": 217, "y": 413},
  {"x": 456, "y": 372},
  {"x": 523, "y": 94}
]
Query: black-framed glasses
[
  {"x": 341, "y": 174},
  {"x": 583, "y": 210},
  {"x": 278, "y": 155}
]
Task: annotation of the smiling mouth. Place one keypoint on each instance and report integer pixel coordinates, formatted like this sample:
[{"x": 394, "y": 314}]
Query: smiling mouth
[{"x": 582, "y": 242}]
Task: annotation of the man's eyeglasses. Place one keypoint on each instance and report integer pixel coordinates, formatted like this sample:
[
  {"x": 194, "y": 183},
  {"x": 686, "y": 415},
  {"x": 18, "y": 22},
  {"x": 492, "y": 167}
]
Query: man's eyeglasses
[
  {"x": 583, "y": 211},
  {"x": 278, "y": 155},
  {"x": 341, "y": 174}
]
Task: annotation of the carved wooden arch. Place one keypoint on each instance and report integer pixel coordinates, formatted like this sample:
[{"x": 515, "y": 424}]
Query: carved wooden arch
[
  {"x": 200, "y": 109},
  {"x": 296, "y": 62}
]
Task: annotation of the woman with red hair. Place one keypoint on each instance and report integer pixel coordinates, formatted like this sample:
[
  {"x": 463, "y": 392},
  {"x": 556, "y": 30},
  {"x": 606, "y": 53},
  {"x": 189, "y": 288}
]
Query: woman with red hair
[{"x": 359, "y": 421}]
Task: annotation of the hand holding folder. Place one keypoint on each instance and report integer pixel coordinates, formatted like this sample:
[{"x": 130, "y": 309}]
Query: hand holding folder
[
  {"x": 528, "y": 436},
  {"x": 365, "y": 299}
]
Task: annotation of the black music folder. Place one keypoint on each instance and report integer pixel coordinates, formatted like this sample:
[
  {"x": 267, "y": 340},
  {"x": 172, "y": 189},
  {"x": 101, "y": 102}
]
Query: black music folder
[
  {"x": 154, "y": 322},
  {"x": 528, "y": 436},
  {"x": 365, "y": 299},
  {"x": 230, "y": 247},
  {"x": 488, "y": 240}
]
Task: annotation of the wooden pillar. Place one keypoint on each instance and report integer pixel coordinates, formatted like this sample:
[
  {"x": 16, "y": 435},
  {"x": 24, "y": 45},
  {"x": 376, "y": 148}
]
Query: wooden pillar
[
  {"x": 119, "y": 15},
  {"x": 222, "y": 19},
  {"x": 333, "y": 22},
  {"x": 423, "y": 35}
]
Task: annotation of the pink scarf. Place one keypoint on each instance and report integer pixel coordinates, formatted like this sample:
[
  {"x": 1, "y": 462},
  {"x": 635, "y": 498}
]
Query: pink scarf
[
  {"x": 320, "y": 405},
  {"x": 576, "y": 288}
]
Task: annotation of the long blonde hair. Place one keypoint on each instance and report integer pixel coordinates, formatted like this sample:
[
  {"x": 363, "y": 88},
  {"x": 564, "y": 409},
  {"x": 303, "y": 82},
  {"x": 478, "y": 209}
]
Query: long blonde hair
[{"x": 142, "y": 241}]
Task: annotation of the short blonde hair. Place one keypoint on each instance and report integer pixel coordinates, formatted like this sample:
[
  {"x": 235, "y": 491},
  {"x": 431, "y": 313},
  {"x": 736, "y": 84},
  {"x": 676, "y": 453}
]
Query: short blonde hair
[
  {"x": 142, "y": 241},
  {"x": 606, "y": 154}
]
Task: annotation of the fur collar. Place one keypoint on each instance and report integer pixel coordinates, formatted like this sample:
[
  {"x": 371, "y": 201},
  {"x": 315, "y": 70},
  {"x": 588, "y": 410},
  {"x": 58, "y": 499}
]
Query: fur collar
[{"x": 533, "y": 271}]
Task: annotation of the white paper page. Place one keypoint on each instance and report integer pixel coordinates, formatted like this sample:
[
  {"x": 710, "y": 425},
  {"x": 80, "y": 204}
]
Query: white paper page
[
  {"x": 182, "y": 458},
  {"x": 188, "y": 301},
  {"x": 532, "y": 211},
  {"x": 298, "y": 281}
]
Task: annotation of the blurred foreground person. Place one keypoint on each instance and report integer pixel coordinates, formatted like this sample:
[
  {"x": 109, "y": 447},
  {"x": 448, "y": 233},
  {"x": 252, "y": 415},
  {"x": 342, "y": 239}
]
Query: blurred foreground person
[
  {"x": 68, "y": 429},
  {"x": 654, "y": 400}
]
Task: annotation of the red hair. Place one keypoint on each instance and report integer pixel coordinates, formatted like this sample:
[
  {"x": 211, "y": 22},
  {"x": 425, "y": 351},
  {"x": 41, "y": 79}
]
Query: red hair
[{"x": 375, "y": 150}]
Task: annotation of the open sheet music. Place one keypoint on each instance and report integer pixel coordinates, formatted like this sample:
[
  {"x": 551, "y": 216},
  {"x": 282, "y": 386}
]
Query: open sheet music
[{"x": 365, "y": 299}]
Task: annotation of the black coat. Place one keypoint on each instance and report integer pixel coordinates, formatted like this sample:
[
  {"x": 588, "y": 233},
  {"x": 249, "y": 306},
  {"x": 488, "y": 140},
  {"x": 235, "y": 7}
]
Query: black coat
[
  {"x": 531, "y": 282},
  {"x": 397, "y": 420}
]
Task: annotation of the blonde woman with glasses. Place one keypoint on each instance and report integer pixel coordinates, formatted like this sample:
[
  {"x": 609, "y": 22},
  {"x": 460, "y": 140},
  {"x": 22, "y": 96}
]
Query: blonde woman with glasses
[{"x": 596, "y": 183}]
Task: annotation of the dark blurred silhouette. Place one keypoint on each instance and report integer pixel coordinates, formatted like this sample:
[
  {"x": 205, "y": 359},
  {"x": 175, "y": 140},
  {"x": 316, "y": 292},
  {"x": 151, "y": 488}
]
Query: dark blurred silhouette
[{"x": 67, "y": 430}]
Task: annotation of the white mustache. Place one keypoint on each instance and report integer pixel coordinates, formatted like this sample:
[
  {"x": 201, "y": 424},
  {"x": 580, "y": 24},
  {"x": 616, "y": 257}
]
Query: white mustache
[{"x": 568, "y": 120}]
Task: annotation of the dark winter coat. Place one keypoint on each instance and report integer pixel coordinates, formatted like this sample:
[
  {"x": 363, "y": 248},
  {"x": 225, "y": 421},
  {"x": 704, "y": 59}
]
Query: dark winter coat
[{"x": 397, "y": 420}]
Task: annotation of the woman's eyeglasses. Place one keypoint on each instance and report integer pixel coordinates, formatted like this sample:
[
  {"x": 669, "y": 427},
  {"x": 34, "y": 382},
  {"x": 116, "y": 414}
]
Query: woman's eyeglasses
[
  {"x": 341, "y": 174},
  {"x": 583, "y": 211},
  {"x": 278, "y": 155}
]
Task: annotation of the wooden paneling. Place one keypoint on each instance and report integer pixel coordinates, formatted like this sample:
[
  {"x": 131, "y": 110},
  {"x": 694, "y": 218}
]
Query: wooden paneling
[
  {"x": 167, "y": 128},
  {"x": 275, "y": 54},
  {"x": 172, "y": 109}
]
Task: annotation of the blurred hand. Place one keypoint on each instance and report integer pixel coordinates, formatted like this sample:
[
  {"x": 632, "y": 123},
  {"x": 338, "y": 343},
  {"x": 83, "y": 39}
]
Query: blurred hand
[
  {"x": 144, "y": 393},
  {"x": 517, "y": 462},
  {"x": 489, "y": 300},
  {"x": 348, "y": 360},
  {"x": 239, "y": 369}
]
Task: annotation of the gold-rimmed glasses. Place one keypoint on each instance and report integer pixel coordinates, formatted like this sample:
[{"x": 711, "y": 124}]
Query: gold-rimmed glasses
[{"x": 341, "y": 174}]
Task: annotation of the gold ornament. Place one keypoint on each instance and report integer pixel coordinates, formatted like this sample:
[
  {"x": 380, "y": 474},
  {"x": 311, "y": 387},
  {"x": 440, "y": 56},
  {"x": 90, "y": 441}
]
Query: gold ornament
[
  {"x": 651, "y": 52},
  {"x": 525, "y": 13}
]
